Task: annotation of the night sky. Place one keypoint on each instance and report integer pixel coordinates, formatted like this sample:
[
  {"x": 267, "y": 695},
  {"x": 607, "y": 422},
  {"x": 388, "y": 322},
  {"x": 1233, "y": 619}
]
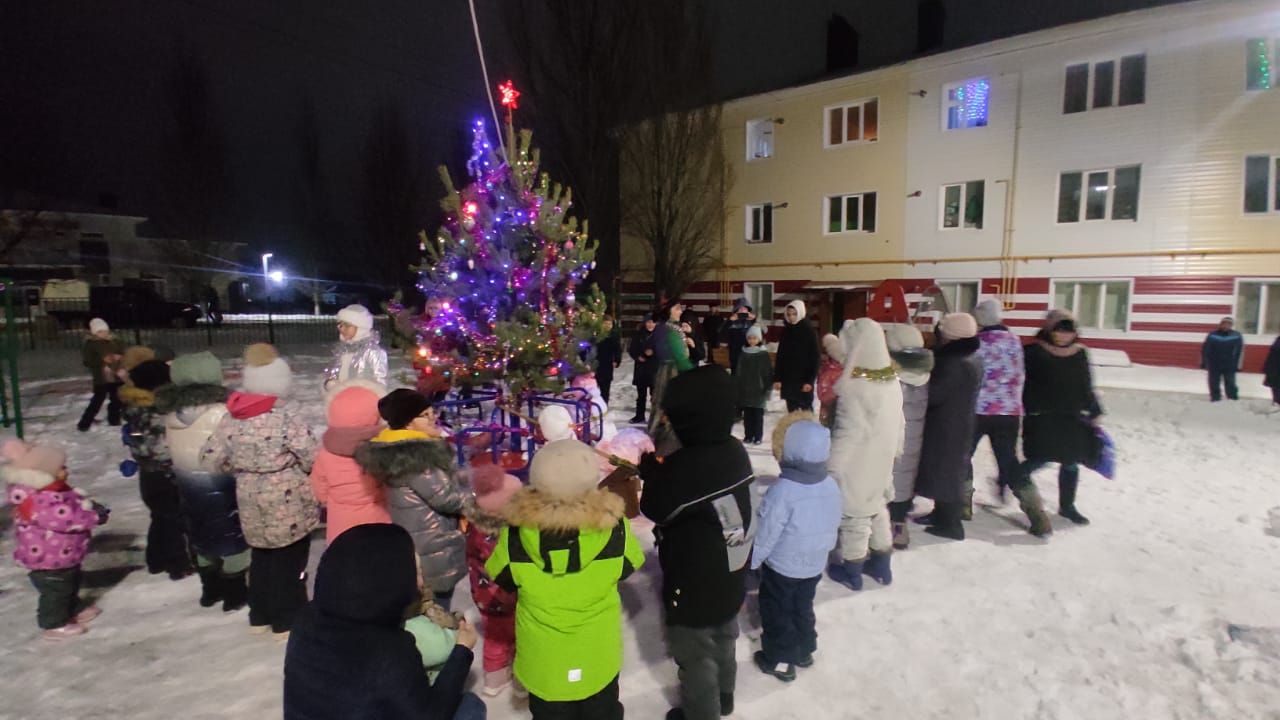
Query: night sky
[{"x": 85, "y": 100}]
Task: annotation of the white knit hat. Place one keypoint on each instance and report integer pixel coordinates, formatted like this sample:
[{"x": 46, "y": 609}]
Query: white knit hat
[
  {"x": 265, "y": 372},
  {"x": 98, "y": 325},
  {"x": 356, "y": 315},
  {"x": 555, "y": 423},
  {"x": 565, "y": 469}
]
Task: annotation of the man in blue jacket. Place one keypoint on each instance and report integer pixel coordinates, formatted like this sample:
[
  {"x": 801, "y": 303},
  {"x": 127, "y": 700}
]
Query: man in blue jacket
[{"x": 1220, "y": 355}]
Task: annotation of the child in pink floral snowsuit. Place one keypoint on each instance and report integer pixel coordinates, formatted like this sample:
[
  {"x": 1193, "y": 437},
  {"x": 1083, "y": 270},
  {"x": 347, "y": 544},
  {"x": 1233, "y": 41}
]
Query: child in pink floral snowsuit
[{"x": 52, "y": 521}]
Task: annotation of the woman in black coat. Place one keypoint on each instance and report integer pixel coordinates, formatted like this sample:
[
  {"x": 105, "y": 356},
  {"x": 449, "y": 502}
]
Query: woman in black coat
[
  {"x": 1271, "y": 371},
  {"x": 1061, "y": 409},
  {"x": 349, "y": 655},
  {"x": 645, "y": 370},
  {"x": 948, "y": 424},
  {"x": 796, "y": 367}
]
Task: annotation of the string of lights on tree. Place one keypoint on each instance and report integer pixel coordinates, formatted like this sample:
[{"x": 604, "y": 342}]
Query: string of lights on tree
[{"x": 503, "y": 273}]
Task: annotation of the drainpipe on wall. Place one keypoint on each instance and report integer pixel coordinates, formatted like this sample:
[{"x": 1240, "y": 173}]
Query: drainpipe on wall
[{"x": 1008, "y": 267}]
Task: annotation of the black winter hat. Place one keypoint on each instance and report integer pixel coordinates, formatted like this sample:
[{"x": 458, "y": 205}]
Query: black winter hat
[
  {"x": 700, "y": 405},
  {"x": 400, "y": 407},
  {"x": 367, "y": 575},
  {"x": 150, "y": 375}
]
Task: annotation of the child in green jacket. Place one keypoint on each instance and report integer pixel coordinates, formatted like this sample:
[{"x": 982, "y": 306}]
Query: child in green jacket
[
  {"x": 754, "y": 376},
  {"x": 567, "y": 548}
]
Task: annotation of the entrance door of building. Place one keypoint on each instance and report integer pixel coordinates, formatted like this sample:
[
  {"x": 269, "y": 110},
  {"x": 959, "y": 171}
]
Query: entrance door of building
[{"x": 846, "y": 305}]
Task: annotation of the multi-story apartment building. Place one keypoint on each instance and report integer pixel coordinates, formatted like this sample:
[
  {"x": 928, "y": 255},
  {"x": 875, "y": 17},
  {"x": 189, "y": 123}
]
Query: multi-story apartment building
[{"x": 1126, "y": 168}]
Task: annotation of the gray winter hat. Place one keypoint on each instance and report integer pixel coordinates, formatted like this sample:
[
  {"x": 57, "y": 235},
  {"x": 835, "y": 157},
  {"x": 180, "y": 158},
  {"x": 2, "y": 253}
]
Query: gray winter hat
[{"x": 988, "y": 312}]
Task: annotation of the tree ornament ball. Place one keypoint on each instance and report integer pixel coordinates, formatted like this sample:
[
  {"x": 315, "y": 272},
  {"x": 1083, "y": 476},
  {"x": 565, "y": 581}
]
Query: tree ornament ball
[{"x": 568, "y": 245}]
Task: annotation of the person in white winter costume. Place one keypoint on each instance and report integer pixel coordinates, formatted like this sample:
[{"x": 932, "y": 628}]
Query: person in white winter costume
[{"x": 867, "y": 436}]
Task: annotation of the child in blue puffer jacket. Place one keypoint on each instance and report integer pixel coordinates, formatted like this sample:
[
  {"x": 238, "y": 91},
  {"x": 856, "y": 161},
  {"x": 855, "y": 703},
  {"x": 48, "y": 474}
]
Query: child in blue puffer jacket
[{"x": 798, "y": 524}]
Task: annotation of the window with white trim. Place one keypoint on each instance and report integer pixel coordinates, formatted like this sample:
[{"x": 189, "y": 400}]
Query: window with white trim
[
  {"x": 966, "y": 104},
  {"x": 962, "y": 205},
  {"x": 1258, "y": 307},
  {"x": 1106, "y": 194},
  {"x": 759, "y": 224},
  {"x": 1262, "y": 184},
  {"x": 961, "y": 296},
  {"x": 850, "y": 213},
  {"x": 759, "y": 139},
  {"x": 1260, "y": 55},
  {"x": 1097, "y": 305},
  {"x": 853, "y": 122},
  {"x": 760, "y": 297},
  {"x": 1106, "y": 83}
]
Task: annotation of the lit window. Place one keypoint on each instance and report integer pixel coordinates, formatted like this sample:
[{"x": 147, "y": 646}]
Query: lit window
[
  {"x": 1262, "y": 184},
  {"x": 1097, "y": 305},
  {"x": 1110, "y": 194},
  {"x": 1107, "y": 83},
  {"x": 851, "y": 213},
  {"x": 962, "y": 205},
  {"x": 960, "y": 296},
  {"x": 854, "y": 122},
  {"x": 966, "y": 104},
  {"x": 759, "y": 139},
  {"x": 1259, "y": 71},
  {"x": 759, "y": 224},
  {"x": 1258, "y": 308}
]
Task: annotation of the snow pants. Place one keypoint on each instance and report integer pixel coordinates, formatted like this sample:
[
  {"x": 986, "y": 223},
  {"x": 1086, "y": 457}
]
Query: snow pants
[
  {"x": 278, "y": 584},
  {"x": 167, "y": 550},
  {"x": 786, "y": 612},
  {"x": 499, "y": 641},
  {"x": 1220, "y": 378},
  {"x": 604, "y": 705},
  {"x": 107, "y": 392},
  {"x": 707, "y": 667},
  {"x": 59, "y": 596},
  {"x": 860, "y": 534}
]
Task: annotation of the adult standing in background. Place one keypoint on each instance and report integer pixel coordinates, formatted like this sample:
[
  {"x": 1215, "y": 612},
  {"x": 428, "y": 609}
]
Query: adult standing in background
[
  {"x": 101, "y": 355},
  {"x": 1271, "y": 371},
  {"x": 711, "y": 325},
  {"x": 796, "y": 368},
  {"x": 735, "y": 331},
  {"x": 1220, "y": 355},
  {"x": 359, "y": 353},
  {"x": 671, "y": 350},
  {"x": 646, "y": 365}
]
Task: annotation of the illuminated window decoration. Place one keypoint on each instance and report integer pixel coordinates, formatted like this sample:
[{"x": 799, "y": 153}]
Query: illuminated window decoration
[
  {"x": 967, "y": 104},
  {"x": 1258, "y": 64}
]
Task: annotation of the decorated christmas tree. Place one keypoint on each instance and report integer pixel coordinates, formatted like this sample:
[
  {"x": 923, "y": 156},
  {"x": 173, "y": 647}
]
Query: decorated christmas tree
[{"x": 502, "y": 276}]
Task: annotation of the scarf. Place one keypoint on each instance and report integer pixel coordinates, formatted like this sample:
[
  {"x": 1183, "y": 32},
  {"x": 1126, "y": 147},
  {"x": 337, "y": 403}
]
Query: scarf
[{"x": 1058, "y": 350}]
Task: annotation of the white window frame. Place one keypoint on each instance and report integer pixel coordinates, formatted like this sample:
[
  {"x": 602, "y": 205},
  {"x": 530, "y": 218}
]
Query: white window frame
[
  {"x": 763, "y": 315},
  {"x": 1273, "y": 177},
  {"x": 1084, "y": 196},
  {"x": 844, "y": 124},
  {"x": 1273, "y": 55},
  {"x": 757, "y": 130},
  {"x": 1093, "y": 74},
  {"x": 749, "y": 212},
  {"x": 1268, "y": 284},
  {"x": 951, "y": 291},
  {"x": 948, "y": 103},
  {"x": 862, "y": 213},
  {"x": 964, "y": 203},
  {"x": 1102, "y": 300}
]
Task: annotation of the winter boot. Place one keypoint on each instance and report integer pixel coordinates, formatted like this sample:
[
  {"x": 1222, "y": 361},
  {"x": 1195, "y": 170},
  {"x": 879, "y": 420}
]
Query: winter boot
[
  {"x": 726, "y": 704},
  {"x": 210, "y": 586},
  {"x": 786, "y": 672},
  {"x": 901, "y": 536},
  {"x": 495, "y": 681},
  {"x": 946, "y": 523},
  {"x": 1033, "y": 506},
  {"x": 928, "y": 518},
  {"x": 966, "y": 510},
  {"x": 847, "y": 573},
  {"x": 235, "y": 593},
  {"x": 898, "y": 519},
  {"x": 1068, "y": 483},
  {"x": 877, "y": 567},
  {"x": 805, "y": 662}
]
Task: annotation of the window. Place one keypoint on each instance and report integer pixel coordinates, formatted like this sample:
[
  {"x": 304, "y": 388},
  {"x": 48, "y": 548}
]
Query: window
[
  {"x": 1262, "y": 183},
  {"x": 1102, "y": 194},
  {"x": 760, "y": 297},
  {"x": 1258, "y": 308},
  {"x": 760, "y": 224},
  {"x": 962, "y": 205},
  {"x": 759, "y": 139},
  {"x": 851, "y": 213},
  {"x": 95, "y": 254},
  {"x": 1258, "y": 61},
  {"x": 1107, "y": 82},
  {"x": 1097, "y": 305},
  {"x": 855, "y": 122},
  {"x": 965, "y": 104},
  {"x": 960, "y": 296}
]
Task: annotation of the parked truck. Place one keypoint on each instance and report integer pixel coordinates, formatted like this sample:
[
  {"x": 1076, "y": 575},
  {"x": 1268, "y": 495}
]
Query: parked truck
[{"x": 72, "y": 303}]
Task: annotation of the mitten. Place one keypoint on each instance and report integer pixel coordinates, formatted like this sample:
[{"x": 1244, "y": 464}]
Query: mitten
[{"x": 128, "y": 468}]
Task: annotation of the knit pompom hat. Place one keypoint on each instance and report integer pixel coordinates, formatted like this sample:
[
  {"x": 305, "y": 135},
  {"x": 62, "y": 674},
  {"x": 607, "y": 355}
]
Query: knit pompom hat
[
  {"x": 493, "y": 488},
  {"x": 401, "y": 406},
  {"x": 988, "y": 312},
  {"x": 135, "y": 355},
  {"x": 150, "y": 375},
  {"x": 35, "y": 465},
  {"x": 202, "y": 368},
  {"x": 354, "y": 407},
  {"x": 958, "y": 326},
  {"x": 555, "y": 423},
  {"x": 565, "y": 470},
  {"x": 356, "y": 315},
  {"x": 265, "y": 372}
]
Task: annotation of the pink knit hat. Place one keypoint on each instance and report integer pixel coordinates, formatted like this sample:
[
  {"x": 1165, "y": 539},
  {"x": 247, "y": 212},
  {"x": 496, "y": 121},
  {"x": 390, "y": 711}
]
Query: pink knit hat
[
  {"x": 355, "y": 406},
  {"x": 493, "y": 488},
  {"x": 46, "y": 459},
  {"x": 958, "y": 326}
]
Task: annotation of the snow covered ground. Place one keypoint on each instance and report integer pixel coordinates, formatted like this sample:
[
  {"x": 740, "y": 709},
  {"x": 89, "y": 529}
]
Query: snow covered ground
[{"x": 1168, "y": 606}]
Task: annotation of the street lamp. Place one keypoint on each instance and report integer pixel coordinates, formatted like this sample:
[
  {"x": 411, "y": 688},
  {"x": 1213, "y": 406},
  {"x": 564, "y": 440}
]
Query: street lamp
[
  {"x": 266, "y": 259},
  {"x": 267, "y": 276},
  {"x": 277, "y": 277}
]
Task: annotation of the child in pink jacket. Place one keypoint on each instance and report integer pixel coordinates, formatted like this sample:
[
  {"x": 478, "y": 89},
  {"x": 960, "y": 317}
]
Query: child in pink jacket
[
  {"x": 52, "y": 521},
  {"x": 352, "y": 496}
]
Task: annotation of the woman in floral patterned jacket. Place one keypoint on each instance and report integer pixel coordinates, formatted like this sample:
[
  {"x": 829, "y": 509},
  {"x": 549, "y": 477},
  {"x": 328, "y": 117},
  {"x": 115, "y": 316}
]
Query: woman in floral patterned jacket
[{"x": 270, "y": 450}]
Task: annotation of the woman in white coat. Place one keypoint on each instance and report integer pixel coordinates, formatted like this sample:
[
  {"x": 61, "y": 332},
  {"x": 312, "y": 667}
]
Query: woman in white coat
[{"x": 868, "y": 435}]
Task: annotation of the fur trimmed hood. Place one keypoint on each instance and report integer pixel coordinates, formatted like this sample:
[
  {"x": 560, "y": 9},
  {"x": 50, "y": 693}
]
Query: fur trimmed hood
[
  {"x": 780, "y": 430},
  {"x": 595, "y": 510},
  {"x": 487, "y": 523},
  {"x": 395, "y": 461},
  {"x": 137, "y": 397},
  {"x": 914, "y": 364},
  {"x": 172, "y": 398}
]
